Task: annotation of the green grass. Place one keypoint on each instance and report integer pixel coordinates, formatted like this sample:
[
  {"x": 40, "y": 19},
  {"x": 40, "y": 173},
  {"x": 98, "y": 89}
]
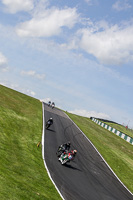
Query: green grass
[
  {"x": 117, "y": 152},
  {"x": 22, "y": 171}
]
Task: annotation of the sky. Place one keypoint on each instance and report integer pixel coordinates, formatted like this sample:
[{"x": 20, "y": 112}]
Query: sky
[{"x": 76, "y": 53}]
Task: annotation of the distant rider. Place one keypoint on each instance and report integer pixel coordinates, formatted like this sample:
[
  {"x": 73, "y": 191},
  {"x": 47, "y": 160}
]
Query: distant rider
[
  {"x": 53, "y": 104},
  {"x": 49, "y": 123},
  {"x": 49, "y": 103},
  {"x": 50, "y": 120}
]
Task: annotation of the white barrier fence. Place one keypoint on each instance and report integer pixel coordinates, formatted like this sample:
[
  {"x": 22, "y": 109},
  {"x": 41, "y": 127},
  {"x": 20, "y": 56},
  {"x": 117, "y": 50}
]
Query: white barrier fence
[{"x": 113, "y": 130}]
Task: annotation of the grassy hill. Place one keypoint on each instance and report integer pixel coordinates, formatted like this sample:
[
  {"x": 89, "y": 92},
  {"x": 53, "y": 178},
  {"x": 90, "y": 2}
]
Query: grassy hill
[
  {"x": 22, "y": 171},
  {"x": 117, "y": 152}
]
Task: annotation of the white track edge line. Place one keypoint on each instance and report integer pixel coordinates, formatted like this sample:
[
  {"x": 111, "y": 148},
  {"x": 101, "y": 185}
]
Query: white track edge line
[
  {"x": 43, "y": 136},
  {"x": 101, "y": 156}
]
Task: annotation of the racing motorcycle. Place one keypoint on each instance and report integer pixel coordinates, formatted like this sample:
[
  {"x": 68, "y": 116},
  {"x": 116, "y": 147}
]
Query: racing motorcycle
[
  {"x": 67, "y": 157},
  {"x": 49, "y": 103},
  {"x": 53, "y": 104},
  {"x": 49, "y": 123},
  {"x": 61, "y": 150},
  {"x": 64, "y": 158}
]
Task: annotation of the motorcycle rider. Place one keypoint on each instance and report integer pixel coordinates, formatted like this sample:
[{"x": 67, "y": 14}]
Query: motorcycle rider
[
  {"x": 65, "y": 146},
  {"x": 49, "y": 122},
  {"x": 49, "y": 103},
  {"x": 70, "y": 156},
  {"x": 53, "y": 104}
]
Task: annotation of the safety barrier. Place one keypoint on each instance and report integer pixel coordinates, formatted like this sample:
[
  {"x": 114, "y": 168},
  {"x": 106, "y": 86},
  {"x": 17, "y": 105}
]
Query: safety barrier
[{"x": 113, "y": 130}]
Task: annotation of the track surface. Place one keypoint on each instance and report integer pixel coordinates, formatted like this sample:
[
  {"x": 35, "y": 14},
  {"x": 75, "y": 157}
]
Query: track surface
[{"x": 87, "y": 177}]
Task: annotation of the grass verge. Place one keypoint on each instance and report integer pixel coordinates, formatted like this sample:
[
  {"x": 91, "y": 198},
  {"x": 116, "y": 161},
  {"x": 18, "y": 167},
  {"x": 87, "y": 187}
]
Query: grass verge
[
  {"x": 22, "y": 171},
  {"x": 117, "y": 152}
]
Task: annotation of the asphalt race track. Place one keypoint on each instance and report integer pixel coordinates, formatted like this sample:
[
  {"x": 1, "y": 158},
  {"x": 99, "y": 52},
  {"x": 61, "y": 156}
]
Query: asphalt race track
[{"x": 85, "y": 178}]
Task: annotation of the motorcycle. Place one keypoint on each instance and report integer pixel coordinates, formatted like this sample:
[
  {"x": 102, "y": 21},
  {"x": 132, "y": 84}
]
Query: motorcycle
[
  {"x": 64, "y": 158},
  {"x": 49, "y": 123},
  {"x": 49, "y": 103},
  {"x": 53, "y": 104},
  {"x": 61, "y": 150}
]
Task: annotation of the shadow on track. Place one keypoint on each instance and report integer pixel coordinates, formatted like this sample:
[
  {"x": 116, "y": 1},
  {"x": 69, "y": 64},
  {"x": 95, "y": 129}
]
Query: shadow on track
[
  {"x": 50, "y": 130},
  {"x": 71, "y": 167}
]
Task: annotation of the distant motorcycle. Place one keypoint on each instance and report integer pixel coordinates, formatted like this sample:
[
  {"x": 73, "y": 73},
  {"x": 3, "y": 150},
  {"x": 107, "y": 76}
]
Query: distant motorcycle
[
  {"x": 53, "y": 104},
  {"x": 49, "y": 103},
  {"x": 49, "y": 123}
]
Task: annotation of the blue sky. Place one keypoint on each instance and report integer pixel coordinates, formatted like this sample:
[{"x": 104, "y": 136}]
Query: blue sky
[{"x": 77, "y": 53}]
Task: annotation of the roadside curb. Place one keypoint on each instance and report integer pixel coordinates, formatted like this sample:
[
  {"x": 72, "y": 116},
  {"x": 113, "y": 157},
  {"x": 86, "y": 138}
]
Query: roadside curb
[{"x": 113, "y": 130}]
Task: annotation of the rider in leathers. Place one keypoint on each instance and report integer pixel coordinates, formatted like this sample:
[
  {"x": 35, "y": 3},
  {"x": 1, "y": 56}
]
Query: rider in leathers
[
  {"x": 65, "y": 146},
  {"x": 70, "y": 155}
]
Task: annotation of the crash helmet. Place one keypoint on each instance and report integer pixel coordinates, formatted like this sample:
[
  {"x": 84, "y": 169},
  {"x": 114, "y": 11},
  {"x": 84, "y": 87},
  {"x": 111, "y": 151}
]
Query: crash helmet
[
  {"x": 50, "y": 119},
  {"x": 74, "y": 151}
]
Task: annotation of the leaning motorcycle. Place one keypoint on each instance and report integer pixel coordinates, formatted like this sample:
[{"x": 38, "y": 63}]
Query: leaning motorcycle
[
  {"x": 61, "y": 150},
  {"x": 64, "y": 158},
  {"x": 53, "y": 104},
  {"x": 48, "y": 124}
]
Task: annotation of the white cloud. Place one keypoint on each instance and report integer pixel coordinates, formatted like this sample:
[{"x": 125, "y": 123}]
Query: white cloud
[
  {"x": 86, "y": 113},
  {"x": 13, "y": 86},
  {"x": 121, "y": 5},
  {"x": 3, "y": 59},
  {"x": 17, "y": 87},
  {"x": 30, "y": 92},
  {"x": 109, "y": 44},
  {"x": 89, "y": 2},
  {"x": 33, "y": 74},
  {"x": 3, "y": 63},
  {"x": 46, "y": 100},
  {"x": 48, "y": 22},
  {"x": 73, "y": 44},
  {"x": 13, "y": 6}
]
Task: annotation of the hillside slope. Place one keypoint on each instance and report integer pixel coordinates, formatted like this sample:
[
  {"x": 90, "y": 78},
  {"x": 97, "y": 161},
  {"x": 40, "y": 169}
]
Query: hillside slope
[
  {"x": 117, "y": 152},
  {"x": 22, "y": 171}
]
